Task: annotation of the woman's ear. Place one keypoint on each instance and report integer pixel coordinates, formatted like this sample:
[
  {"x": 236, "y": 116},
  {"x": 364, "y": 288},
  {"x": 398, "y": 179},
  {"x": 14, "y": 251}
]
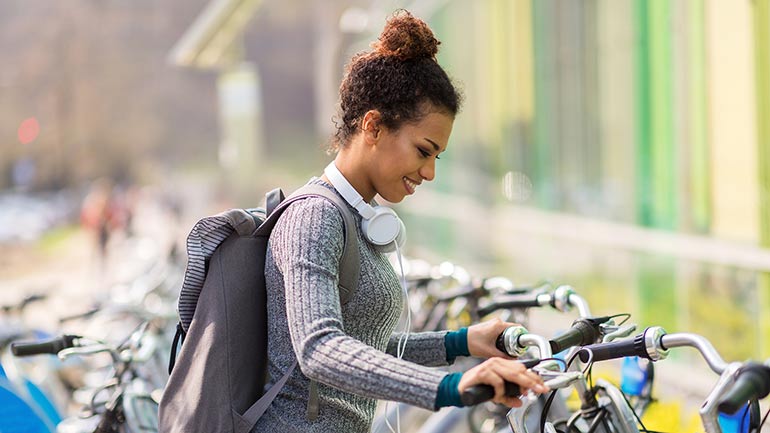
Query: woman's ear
[{"x": 370, "y": 124}]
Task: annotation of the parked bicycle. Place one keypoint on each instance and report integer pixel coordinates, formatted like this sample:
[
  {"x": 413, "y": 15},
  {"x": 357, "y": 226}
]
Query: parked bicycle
[
  {"x": 33, "y": 395},
  {"x": 739, "y": 385},
  {"x": 605, "y": 409},
  {"x": 126, "y": 402}
]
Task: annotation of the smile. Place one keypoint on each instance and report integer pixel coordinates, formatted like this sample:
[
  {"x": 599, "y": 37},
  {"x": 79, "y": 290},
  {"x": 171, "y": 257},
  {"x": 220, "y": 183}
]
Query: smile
[{"x": 410, "y": 185}]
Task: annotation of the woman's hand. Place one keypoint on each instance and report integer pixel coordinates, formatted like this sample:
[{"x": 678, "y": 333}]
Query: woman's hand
[
  {"x": 482, "y": 336},
  {"x": 495, "y": 371}
]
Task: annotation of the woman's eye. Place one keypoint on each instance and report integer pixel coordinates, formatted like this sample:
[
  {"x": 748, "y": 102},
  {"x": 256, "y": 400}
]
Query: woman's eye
[{"x": 424, "y": 153}]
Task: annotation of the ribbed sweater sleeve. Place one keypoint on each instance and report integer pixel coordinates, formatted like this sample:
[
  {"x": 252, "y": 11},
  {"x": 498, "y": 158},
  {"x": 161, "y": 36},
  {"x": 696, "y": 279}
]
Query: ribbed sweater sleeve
[
  {"x": 307, "y": 246},
  {"x": 424, "y": 348}
]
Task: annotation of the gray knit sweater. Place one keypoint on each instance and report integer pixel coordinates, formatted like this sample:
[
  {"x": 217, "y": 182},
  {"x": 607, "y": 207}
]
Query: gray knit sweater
[{"x": 349, "y": 350}]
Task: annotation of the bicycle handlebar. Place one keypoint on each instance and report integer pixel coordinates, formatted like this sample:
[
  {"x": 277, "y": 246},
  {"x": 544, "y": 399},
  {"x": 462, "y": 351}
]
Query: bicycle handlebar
[
  {"x": 476, "y": 394},
  {"x": 752, "y": 382},
  {"x": 51, "y": 346},
  {"x": 654, "y": 344},
  {"x": 21, "y": 305},
  {"x": 583, "y": 331},
  {"x": 563, "y": 298},
  {"x": 515, "y": 340},
  {"x": 706, "y": 349},
  {"x": 506, "y": 302},
  {"x": 614, "y": 350}
]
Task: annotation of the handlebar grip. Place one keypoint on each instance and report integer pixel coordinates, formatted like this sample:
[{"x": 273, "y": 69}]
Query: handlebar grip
[
  {"x": 511, "y": 301},
  {"x": 480, "y": 393},
  {"x": 615, "y": 349},
  {"x": 52, "y": 346},
  {"x": 500, "y": 342},
  {"x": 582, "y": 332},
  {"x": 753, "y": 383}
]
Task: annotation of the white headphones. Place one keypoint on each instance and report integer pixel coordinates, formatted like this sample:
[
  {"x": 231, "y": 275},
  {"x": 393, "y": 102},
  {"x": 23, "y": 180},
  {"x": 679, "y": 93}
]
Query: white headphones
[{"x": 381, "y": 225}]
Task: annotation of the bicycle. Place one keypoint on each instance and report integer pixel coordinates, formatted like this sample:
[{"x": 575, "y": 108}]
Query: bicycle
[
  {"x": 516, "y": 340},
  {"x": 132, "y": 402},
  {"x": 727, "y": 395},
  {"x": 441, "y": 297},
  {"x": 35, "y": 389},
  {"x": 585, "y": 330}
]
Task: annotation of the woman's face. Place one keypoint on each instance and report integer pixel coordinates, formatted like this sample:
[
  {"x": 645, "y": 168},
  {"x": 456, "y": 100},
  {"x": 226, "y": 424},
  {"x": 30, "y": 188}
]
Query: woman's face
[{"x": 406, "y": 157}]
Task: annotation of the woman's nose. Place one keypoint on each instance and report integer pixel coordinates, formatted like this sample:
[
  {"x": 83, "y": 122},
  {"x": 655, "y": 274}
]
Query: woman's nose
[{"x": 428, "y": 170}]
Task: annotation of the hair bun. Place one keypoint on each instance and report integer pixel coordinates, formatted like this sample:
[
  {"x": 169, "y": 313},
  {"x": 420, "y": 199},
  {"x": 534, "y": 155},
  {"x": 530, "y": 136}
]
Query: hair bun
[{"x": 406, "y": 37}]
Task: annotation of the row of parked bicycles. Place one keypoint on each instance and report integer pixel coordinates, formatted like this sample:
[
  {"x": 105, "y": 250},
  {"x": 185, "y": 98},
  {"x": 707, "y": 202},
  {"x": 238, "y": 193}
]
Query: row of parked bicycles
[
  {"x": 447, "y": 297},
  {"x": 106, "y": 371},
  {"x": 103, "y": 370}
]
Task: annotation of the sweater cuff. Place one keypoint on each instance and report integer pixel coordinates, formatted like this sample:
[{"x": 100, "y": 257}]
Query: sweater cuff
[
  {"x": 456, "y": 344},
  {"x": 448, "y": 393}
]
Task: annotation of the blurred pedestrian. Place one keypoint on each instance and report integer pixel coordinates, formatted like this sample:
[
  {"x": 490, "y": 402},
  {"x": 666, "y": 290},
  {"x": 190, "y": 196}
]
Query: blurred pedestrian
[{"x": 102, "y": 213}]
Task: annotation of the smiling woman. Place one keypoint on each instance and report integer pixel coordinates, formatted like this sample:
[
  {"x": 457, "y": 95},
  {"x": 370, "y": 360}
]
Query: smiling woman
[
  {"x": 397, "y": 107},
  {"x": 392, "y": 162}
]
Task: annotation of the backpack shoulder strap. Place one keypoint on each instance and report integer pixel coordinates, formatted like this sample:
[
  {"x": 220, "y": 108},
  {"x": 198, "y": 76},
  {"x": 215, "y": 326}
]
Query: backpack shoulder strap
[
  {"x": 273, "y": 199},
  {"x": 350, "y": 268},
  {"x": 350, "y": 263}
]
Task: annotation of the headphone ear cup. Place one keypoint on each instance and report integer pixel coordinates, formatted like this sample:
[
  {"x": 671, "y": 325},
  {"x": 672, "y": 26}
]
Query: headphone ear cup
[
  {"x": 391, "y": 247},
  {"x": 383, "y": 228}
]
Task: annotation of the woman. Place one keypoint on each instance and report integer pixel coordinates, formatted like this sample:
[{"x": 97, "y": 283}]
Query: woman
[{"x": 397, "y": 107}]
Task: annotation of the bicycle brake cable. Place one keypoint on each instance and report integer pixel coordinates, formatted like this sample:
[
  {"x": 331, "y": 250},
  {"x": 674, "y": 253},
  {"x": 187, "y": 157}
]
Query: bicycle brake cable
[
  {"x": 763, "y": 420},
  {"x": 551, "y": 397},
  {"x": 546, "y": 408},
  {"x": 626, "y": 315}
]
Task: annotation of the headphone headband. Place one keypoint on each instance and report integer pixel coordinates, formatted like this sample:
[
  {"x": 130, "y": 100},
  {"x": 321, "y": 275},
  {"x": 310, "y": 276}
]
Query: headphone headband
[{"x": 347, "y": 191}]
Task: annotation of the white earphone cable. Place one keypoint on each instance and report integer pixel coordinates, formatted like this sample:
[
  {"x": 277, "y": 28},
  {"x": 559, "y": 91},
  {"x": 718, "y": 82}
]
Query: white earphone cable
[{"x": 402, "y": 339}]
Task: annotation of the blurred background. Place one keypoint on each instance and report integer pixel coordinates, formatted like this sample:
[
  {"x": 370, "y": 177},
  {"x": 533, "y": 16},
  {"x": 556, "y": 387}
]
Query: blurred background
[{"x": 619, "y": 146}]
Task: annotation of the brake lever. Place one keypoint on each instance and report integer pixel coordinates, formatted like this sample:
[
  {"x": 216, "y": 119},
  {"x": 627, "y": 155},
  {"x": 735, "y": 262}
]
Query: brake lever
[
  {"x": 517, "y": 415},
  {"x": 561, "y": 379},
  {"x": 611, "y": 334}
]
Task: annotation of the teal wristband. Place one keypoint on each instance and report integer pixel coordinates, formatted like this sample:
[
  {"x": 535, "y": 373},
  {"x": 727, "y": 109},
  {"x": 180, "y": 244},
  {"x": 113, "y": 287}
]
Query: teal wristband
[
  {"x": 456, "y": 344},
  {"x": 448, "y": 393}
]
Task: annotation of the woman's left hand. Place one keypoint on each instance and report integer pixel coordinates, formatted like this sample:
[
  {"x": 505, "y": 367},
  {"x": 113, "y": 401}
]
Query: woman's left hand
[{"x": 482, "y": 337}]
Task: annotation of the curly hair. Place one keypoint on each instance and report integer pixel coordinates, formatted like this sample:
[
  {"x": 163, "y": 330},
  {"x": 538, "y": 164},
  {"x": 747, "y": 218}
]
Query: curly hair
[{"x": 399, "y": 77}]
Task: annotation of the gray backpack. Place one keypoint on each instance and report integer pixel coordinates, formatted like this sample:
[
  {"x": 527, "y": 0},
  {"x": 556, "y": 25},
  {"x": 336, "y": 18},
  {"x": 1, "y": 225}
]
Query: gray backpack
[{"x": 217, "y": 381}]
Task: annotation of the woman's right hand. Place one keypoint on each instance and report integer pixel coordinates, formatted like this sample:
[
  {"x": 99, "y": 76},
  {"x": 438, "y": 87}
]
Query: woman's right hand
[{"x": 495, "y": 371}]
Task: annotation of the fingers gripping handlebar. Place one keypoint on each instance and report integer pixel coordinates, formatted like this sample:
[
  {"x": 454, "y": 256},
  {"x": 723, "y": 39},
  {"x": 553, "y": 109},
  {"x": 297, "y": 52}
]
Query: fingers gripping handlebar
[{"x": 480, "y": 393}]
